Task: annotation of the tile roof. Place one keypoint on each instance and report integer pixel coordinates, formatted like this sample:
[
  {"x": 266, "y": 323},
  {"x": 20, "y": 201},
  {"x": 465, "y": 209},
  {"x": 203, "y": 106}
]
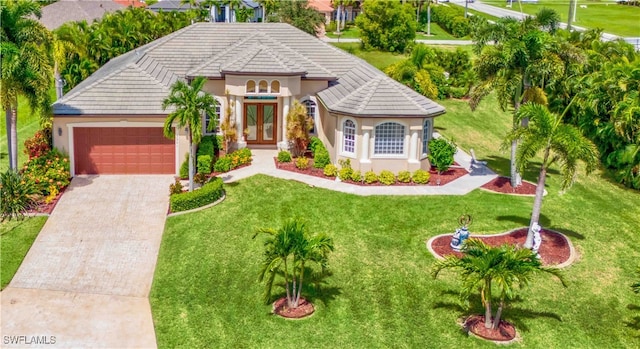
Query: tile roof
[
  {"x": 136, "y": 82},
  {"x": 321, "y": 5},
  {"x": 60, "y": 12}
]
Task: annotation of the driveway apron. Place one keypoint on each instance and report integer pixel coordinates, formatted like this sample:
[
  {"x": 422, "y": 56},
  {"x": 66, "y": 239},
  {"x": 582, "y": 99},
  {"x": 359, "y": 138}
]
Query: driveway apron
[{"x": 86, "y": 280}]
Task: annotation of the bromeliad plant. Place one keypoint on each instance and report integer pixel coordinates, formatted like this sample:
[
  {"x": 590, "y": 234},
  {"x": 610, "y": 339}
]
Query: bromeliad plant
[{"x": 290, "y": 251}]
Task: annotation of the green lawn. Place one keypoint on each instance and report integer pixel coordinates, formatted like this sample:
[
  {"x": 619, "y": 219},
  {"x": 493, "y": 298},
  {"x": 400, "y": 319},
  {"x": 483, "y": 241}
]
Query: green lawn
[
  {"x": 205, "y": 292},
  {"x": 351, "y": 32},
  {"x": 376, "y": 58},
  {"x": 16, "y": 238},
  {"x": 613, "y": 18}
]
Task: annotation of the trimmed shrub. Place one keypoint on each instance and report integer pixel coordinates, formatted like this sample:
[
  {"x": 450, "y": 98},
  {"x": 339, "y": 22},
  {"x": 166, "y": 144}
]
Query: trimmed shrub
[
  {"x": 204, "y": 164},
  {"x": 184, "y": 168},
  {"x": 210, "y": 192},
  {"x": 206, "y": 147},
  {"x": 176, "y": 187},
  {"x": 233, "y": 160},
  {"x": 451, "y": 19},
  {"x": 421, "y": 176},
  {"x": 321, "y": 157},
  {"x": 345, "y": 170},
  {"x": 223, "y": 164},
  {"x": 441, "y": 153},
  {"x": 356, "y": 176},
  {"x": 387, "y": 177},
  {"x": 404, "y": 176},
  {"x": 370, "y": 177},
  {"x": 330, "y": 170},
  {"x": 314, "y": 144},
  {"x": 284, "y": 156},
  {"x": 458, "y": 92},
  {"x": 302, "y": 163}
]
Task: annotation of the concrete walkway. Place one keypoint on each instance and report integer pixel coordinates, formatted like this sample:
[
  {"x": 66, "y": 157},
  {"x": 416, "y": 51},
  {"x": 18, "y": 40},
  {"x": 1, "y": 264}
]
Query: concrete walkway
[
  {"x": 86, "y": 279},
  {"x": 263, "y": 163}
]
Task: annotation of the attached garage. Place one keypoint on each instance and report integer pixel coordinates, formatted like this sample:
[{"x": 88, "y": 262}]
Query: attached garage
[{"x": 122, "y": 150}]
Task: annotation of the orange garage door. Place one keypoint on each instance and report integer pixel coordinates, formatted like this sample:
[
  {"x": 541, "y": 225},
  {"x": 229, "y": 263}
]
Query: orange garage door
[{"x": 122, "y": 150}]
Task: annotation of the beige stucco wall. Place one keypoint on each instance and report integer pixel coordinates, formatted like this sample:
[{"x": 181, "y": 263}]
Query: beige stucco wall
[{"x": 63, "y": 129}]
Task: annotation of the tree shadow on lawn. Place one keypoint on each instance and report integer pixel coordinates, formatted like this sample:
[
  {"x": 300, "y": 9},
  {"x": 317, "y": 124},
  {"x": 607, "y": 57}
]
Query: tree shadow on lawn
[
  {"x": 524, "y": 221},
  {"x": 634, "y": 323},
  {"x": 502, "y": 165}
]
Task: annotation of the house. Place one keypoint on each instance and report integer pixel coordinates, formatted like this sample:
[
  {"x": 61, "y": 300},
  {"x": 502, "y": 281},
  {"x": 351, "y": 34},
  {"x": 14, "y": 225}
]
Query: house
[
  {"x": 63, "y": 11},
  {"x": 112, "y": 122},
  {"x": 218, "y": 13},
  {"x": 324, "y": 7}
]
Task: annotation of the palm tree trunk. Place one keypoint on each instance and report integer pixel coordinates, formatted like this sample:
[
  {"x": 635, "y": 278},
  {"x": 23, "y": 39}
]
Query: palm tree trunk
[
  {"x": 286, "y": 283},
  {"x": 297, "y": 302},
  {"x": 192, "y": 151},
  {"x": 11, "y": 116},
  {"x": 264, "y": 13},
  {"x": 58, "y": 80},
  {"x": 537, "y": 202},
  {"x": 294, "y": 288},
  {"x": 338, "y": 18},
  {"x": 496, "y": 320},
  {"x": 486, "y": 298},
  {"x": 516, "y": 179},
  {"x": 429, "y": 19}
]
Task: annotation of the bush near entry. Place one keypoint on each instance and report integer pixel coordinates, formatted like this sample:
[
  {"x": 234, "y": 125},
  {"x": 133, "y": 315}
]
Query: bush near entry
[{"x": 208, "y": 193}]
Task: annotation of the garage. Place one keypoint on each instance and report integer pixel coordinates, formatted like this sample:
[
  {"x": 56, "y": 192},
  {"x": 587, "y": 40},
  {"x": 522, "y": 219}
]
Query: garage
[{"x": 122, "y": 150}]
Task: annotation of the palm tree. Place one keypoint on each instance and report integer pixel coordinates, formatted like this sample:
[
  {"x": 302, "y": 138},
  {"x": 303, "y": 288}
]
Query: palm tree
[
  {"x": 190, "y": 103},
  {"x": 484, "y": 267},
  {"x": 26, "y": 65},
  {"x": 289, "y": 250},
  {"x": 560, "y": 144}
]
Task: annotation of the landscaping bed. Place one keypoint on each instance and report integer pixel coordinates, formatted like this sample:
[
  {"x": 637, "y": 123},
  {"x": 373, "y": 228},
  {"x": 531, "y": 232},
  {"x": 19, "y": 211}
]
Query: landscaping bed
[{"x": 503, "y": 185}]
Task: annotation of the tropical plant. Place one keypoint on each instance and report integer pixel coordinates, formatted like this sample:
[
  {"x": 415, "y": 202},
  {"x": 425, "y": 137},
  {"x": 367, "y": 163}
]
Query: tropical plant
[
  {"x": 560, "y": 144},
  {"x": 299, "y": 124},
  {"x": 26, "y": 65},
  {"x": 17, "y": 195},
  {"x": 484, "y": 268},
  {"x": 189, "y": 103},
  {"x": 441, "y": 152},
  {"x": 291, "y": 251},
  {"x": 302, "y": 163},
  {"x": 300, "y": 15},
  {"x": 50, "y": 169},
  {"x": 386, "y": 25}
]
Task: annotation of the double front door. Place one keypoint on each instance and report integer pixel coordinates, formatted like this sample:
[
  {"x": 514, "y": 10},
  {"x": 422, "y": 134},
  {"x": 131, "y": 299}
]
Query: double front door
[{"x": 260, "y": 120}]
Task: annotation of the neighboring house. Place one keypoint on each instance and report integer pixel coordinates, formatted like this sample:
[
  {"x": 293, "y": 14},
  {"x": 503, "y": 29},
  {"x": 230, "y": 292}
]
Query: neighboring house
[
  {"x": 133, "y": 3},
  {"x": 221, "y": 13},
  {"x": 112, "y": 122},
  {"x": 324, "y": 7},
  {"x": 58, "y": 13}
]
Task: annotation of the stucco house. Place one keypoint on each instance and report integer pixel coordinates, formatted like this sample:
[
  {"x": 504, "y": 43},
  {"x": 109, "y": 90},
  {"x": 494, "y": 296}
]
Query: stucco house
[
  {"x": 112, "y": 122},
  {"x": 219, "y": 12}
]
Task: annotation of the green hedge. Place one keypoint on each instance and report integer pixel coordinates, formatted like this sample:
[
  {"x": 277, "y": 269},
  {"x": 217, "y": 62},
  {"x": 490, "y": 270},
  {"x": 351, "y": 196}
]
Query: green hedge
[
  {"x": 451, "y": 19},
  {"x": 208, "y": 193}
]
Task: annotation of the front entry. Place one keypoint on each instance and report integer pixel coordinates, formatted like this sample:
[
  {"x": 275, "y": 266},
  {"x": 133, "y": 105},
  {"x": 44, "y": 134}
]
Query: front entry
[{"x": 261, "y": 121}]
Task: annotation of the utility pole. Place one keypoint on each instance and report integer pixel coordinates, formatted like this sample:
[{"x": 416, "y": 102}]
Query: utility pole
[{"x": 572, "y": 13}]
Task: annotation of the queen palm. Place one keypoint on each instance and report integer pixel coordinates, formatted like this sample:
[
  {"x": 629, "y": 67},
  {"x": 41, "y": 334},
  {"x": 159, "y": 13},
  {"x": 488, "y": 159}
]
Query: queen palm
[
  {"x": 26, "y": 65},
  {"x": 485, "y": 268},
  {"x": 190, "y": 103},
  {"x": 559, "y": 143},
  {"x": 289, "y": 250}
]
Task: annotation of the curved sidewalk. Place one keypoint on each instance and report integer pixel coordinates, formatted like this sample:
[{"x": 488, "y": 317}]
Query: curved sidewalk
[{"x": 263, "y": 163}]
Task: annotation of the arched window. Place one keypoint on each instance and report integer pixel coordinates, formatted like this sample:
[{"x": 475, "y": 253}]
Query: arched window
[
  {"x": 311, "y": 111},
  {"x": 426, "y": 136},
  {"x": 208, "y": 118},
  {"x": 263, "y": 86},
  {"x": 251, "y": 86},
  {"x": 348, "y": 137},
  {"x": 275, "y": 86},
  {"x": 389, "y": 139}
]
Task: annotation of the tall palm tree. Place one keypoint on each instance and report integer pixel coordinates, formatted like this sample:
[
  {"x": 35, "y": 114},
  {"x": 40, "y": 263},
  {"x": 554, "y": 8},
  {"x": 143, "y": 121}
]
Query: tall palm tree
[
  {"x": 289, "y": 250},
  {"x": 190, "y": 103},
  {"x": 560, "y": 144},
  {"x": 26, "y": 65},
  {"x": 484, "y": 268}
]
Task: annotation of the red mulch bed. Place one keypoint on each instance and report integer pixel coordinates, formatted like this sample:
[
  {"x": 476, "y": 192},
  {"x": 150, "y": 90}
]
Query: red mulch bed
[
  {"x": 44, "y": 208},
  {"x": 446, "y": 177},
  {"x": 554, "y": 248},
  {"x": 504, "y": 332},
  {"x": 304, "y": 309},
  {"x": 503, "y": 185}
]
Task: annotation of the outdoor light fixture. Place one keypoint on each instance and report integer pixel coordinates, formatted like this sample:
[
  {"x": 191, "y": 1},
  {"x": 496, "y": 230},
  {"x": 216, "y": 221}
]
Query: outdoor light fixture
[{"x": 59, "y": 131}]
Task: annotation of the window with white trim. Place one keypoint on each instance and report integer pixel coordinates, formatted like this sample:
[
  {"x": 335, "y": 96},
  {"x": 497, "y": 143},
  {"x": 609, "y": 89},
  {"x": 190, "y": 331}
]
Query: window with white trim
[
  {"x": 208, "y": 118},
  {"x": 426, "y": 136},
  {"x": 348, "y": 137},
  {"x": 389, "y": 139},
  {"x": 263, "y": 86},
  {"x": 311, "y": 111},
  {"x": 275, "y": 86},
  {"x": 251, "y": 86}
]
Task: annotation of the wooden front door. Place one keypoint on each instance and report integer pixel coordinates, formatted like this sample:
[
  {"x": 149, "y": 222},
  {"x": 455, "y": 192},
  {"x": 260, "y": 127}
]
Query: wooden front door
[{"x": 261, "y": 120}]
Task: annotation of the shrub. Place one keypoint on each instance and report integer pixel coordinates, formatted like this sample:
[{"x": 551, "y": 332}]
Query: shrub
[
  {"x": 441, "y": 153},
  {"x": 330, "y": 170},
  {"x": 298, "y": 126},
  {"x": 450, "y": 19},
  {"x": 302, "y": 163},
  {"x": 458, "y": 92},
  {"x": 17, "y": 195},
  {"x": 233, "y": 160},
  {"x": 345, "y": 170},
  {"x": 208, "y": 193},
  {"x": 421, "y": 176},
  {"x": 200, "y": 178},
  {"x": 321, "y": 157},
  {"x": 314, "y": 144},
  {"x": 387, "y": 177},
  {"x": 284, "y": 156},
  {"x": 370, "y": 177},
  {"x": 404, "y": 176},
  {"x": 176, "y": 187},
  {"x": 49, "y": 169},
  {"x": 223, "y": 164},
  {"x": 206, "y": 147},
  {"x": 184, "y": 168},
  {"x": 37, "y": 145},
  {"x": 356, "y": 176},
  {"x": 204, "y": 164}
]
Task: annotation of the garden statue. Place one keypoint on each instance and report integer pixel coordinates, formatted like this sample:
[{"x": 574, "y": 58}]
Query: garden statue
[
  {"x": 461, "y": 233},
  {"x": 537, "y": 239}
]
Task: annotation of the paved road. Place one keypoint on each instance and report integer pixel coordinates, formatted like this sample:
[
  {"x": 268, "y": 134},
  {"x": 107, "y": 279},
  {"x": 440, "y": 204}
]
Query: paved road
[
  {"x": 428, "y": 42},
  {"x": 86, "y": 280}
]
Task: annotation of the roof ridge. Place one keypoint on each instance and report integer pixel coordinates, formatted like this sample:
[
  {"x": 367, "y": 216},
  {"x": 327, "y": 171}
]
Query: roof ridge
[
  {"x": 220, "y": 54},
  {"x": 373, "y": 85},
  {"x": 69, "y": 96},
  {"x": 155, "y": 78},
  {"x": 299, "y": 56}
]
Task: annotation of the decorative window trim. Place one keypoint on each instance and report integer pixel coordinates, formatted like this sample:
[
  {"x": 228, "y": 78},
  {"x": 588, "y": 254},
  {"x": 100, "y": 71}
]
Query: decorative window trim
[
  {"x": 266, "y": 91},
  {"x": 246, "y": 87},
  {"x": 217, "y": 131},
  {"x": 343, "y": 138},
  {"x": 316, "y": 113},
  {"x": 271, "y": 87},
  {"x": 405, "y": 141},
  {"x": 426, "y": 138}
]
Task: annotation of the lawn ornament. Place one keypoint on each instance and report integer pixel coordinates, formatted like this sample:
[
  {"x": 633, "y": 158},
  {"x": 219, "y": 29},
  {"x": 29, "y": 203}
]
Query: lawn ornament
[{"x": 461, "y": 234}]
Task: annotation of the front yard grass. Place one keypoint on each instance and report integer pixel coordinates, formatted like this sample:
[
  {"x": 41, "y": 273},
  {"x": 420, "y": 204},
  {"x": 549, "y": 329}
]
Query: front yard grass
[
  {"x": 376, "y": 58},
  {"x": 16, "y": 238},
  {"x": 206, "y": 294}
]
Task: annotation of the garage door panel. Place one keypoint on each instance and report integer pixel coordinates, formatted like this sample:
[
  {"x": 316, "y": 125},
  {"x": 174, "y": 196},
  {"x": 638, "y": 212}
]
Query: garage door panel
[{"x": 123, "y": 150}]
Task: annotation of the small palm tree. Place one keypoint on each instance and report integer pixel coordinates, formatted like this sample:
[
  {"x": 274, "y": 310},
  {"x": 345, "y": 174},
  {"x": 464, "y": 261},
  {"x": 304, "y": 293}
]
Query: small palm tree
[
  {"x": 484, "y": 268},
  {"x": 288, "y": 251},
  {"x": 560, "y": 144},
  {"x": 190, "y": 104}
]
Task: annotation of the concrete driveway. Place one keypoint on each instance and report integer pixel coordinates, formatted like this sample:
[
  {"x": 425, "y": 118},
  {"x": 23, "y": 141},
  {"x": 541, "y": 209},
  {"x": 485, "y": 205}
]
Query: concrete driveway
[{"x": 86, "y": 280}]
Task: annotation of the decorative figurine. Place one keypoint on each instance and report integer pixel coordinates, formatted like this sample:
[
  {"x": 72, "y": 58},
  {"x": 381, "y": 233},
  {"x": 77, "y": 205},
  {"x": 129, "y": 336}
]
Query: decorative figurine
[
  {"x": 462, "y": 233},
  {"x": 537, "y": 239}
]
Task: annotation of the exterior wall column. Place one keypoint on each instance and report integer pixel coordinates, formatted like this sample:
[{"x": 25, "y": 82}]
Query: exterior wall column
[
  {"x": 227, "y": 15},
  {"x": 284, "y": 144},
  {"x": 366, "y": 140},
  {"x": 414, "y": 153},
  {"x": 237, "y": 100}
]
